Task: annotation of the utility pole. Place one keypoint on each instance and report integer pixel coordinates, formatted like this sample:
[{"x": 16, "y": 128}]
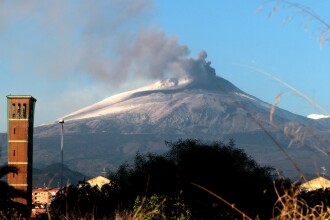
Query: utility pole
[{"x": 62, "y": 123}]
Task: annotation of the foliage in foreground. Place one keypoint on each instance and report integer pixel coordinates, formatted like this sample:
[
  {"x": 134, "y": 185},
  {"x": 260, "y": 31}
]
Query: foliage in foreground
[
  {"x": 8, "y": 207},
  {"x": 156, "y": 207},
  {"x": 297, "y": 204},
  {"x": 219, "y": 167},
  {"x": 86, "y": 202},
  {"x": 164, "y": 187}
]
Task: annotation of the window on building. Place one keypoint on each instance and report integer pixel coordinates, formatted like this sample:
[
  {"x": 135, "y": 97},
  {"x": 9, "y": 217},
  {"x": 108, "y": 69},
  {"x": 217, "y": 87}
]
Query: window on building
[
  {"x": 24, "y": 110},
  {"x": 13, "y": 110},
  {"x": 14, "y": 130},
  {"x": 14, "y": 153},
  {"x": 19, "y": 111}
]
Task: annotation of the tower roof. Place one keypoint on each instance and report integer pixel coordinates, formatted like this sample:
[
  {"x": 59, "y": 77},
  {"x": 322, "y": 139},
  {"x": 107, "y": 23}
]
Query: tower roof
[{"x": 21, "y": 97}]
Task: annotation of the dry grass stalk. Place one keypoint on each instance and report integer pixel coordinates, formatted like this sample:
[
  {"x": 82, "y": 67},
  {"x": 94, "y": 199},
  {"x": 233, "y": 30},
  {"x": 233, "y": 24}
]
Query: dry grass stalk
[
  {"x": 290, "y": 206},
  {"x": 223, "y": 200},
  {"x": 141, "y": 212}
]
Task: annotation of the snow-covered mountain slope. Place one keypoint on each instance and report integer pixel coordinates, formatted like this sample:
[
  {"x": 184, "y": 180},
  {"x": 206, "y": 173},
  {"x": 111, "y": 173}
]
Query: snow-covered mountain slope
[
  {"x": 158, "y": 93},
  {"x": 110, "y": 132},
  {"x": 184, "y": 102},
  {"x": 114, "y": 104}
]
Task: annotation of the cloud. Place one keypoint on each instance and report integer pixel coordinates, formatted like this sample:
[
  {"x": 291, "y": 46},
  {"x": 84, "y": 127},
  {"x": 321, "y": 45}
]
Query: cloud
[
  {"x": 111, "y": 41},
  {"x": 73, "y": 53},
  {"x": 153, "y": 55}
]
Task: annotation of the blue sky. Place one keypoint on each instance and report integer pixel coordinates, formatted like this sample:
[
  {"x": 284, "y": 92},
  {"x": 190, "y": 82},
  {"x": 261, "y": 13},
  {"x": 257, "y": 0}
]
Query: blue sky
[{"x": 70, "y": 54}]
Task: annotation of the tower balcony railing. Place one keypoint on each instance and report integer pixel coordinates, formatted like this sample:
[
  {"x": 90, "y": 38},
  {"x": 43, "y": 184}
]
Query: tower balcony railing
[{"x": 19, "y": 116}]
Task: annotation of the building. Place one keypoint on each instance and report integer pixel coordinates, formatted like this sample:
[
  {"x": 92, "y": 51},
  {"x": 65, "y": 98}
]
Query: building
[
  {"x": 98, "y": 181},
  {"x": 20, "y": 114},
  {"x": 43, "y": 196},
  {"x": 315, "y": 184}
]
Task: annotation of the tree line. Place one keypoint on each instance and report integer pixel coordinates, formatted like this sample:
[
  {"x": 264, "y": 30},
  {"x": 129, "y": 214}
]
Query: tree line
[
  {"x": 167, "y": 184},
  {"x": 192, "y": 180}
]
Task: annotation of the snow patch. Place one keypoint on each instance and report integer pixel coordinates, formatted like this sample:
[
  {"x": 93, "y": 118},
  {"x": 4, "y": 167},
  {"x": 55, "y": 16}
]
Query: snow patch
[
  {"x": 245, "y": 96},
  {"x": 317, "y": 116}
]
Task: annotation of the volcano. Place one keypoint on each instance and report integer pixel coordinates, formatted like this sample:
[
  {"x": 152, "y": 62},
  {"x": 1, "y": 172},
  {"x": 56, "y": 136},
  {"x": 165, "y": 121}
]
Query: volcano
[
  {"x": 206, "y": 107},
  {"x": 201, "y": 106}
]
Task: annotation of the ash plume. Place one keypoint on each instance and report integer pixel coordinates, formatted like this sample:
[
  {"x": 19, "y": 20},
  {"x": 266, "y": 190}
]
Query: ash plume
[
  {"x": 199, "y": 69},
  {"x": 108, "y": 41}
]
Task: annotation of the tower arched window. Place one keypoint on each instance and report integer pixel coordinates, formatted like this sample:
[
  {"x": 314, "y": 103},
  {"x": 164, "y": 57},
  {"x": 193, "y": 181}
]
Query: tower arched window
[
  {"x": 13, "y": 110},
  {"x": 19, "y": 111},
  {"x": 24, "y": 110}
]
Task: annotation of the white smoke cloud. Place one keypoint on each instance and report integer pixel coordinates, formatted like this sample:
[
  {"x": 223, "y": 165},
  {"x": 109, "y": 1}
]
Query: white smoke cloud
[
  {"x": 108, "y": 40},
  {"x": 73, "y": 53}
]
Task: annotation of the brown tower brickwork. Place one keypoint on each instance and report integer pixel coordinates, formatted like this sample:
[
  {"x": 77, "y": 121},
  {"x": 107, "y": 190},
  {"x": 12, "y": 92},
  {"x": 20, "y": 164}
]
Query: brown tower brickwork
[{"x": 20, "y": 143}]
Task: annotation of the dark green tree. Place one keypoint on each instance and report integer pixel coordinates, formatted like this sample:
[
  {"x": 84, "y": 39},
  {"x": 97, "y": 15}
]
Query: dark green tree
[
  {"x": 80, "y": 201},
  {"x": 8, "y": 206},
  {"x": 220, "y": 168},
  {"x": 174, "y": 179}
]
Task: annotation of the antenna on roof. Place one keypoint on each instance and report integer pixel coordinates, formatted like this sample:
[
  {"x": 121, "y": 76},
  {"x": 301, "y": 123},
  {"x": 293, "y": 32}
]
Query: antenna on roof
[
  {"x": 323, "y": 171},
  {"x": 104, "y": 172}
]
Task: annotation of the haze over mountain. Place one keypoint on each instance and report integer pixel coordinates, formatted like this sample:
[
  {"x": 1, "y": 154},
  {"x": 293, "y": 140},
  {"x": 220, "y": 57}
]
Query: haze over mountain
[{"x": 197, "y": 104}]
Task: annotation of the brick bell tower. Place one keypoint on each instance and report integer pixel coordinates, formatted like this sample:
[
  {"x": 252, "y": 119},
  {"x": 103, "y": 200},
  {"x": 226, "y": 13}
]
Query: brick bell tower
[{"x": 20, "y": 143}]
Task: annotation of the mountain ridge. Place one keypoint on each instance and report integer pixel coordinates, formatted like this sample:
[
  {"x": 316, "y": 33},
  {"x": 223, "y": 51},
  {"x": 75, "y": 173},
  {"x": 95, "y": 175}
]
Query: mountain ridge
[
  {"x": 173, "y": 111},
  {"x": 168, "y": 86}
]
